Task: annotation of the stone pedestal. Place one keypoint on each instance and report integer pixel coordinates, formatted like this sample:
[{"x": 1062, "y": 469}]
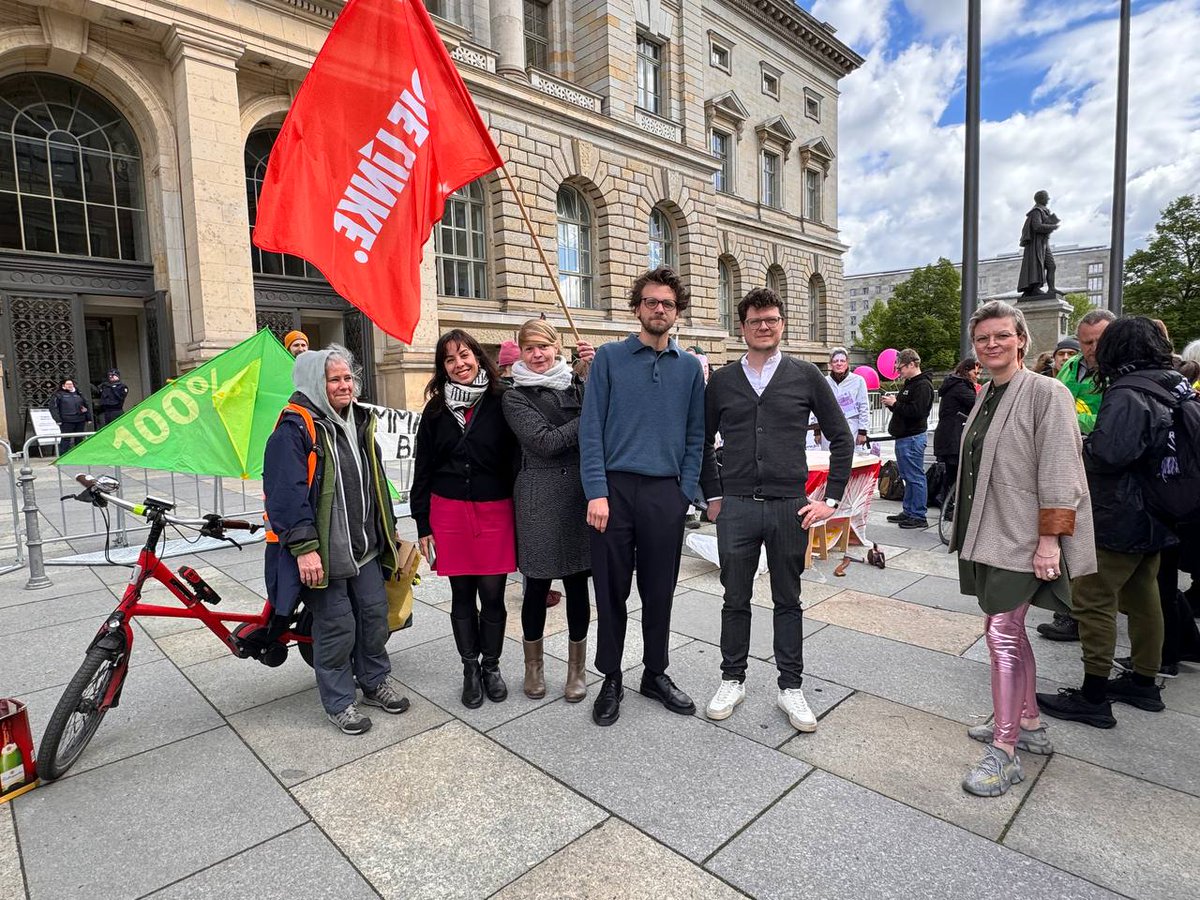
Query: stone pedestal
[{"x": 1047, "y": 317}]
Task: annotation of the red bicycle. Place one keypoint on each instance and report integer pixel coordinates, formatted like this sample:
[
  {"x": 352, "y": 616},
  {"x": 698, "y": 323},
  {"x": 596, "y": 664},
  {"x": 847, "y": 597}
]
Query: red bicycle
[{"x": 96, "y": 687}]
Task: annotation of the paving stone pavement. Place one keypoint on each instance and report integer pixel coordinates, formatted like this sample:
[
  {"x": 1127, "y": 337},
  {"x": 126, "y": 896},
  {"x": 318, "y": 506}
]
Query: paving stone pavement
[{"x": 217, "y": 777}]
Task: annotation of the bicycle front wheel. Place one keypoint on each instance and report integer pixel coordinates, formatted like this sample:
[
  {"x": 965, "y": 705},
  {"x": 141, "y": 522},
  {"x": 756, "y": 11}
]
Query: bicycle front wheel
[
  {"x": 78, "y": 714},
  {"x": 945, "y": 520}
]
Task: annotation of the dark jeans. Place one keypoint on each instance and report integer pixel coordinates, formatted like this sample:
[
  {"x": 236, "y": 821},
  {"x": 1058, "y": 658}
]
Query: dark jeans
[
  {"x": 645, "y": 523},
  {"x": 743, "y": 526},
  {"x": 68, "y": 442},
  {"x": 350, "y": 632},
  {"x": 579, "y": 607},
  {"x": 107, "y": 415},
  {"x": 910, "y": 459}
]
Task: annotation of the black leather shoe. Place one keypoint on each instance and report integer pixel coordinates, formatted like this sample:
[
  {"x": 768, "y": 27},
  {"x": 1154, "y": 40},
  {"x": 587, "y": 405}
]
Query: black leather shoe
[
  {"x": 1071, "y": 704},
  {"x": 493, "y": 683},
  {"x": 898, "y": 517},
  {"x": 472, "y": 694},
  {"x": 1063, "y": 628},
  {"x": 607, "y": 708},
  {"x": 663, "y": 689},
  {"x": 914, "y": 523}
]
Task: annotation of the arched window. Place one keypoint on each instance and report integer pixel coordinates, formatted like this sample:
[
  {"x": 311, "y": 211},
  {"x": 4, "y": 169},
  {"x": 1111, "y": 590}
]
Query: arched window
[
  {"x": 574, "y": 248},
  {"x": 816, "y": 294},
  {"x": 777, "y": 281},
  {"x": 725, "y": 306},
  {"x": 461, "y": 243},
  {"x": 661, "y": 249},
  {"x": 70, "y": 171},
  {"x": 258, "y": 151}
]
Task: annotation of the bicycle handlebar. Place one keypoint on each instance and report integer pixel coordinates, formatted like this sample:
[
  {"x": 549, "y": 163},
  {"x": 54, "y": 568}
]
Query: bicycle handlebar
[{"x": 210, "y": 522}]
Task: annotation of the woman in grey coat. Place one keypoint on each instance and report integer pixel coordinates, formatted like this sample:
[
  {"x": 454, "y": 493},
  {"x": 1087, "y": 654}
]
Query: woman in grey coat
[{"x": 552, "y": 540}]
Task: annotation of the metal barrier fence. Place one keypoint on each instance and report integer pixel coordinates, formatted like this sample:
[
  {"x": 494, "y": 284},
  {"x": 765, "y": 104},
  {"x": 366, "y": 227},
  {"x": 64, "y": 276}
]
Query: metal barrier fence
[{"x": 12, "y": 546}]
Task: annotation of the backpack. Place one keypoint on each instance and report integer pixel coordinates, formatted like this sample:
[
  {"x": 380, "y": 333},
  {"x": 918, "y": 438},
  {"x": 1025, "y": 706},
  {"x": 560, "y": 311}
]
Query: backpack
[
  {"x": 891, "y": 485},
  {"x": 935, "y": 483},
  {"x": 1171, "y": 482}
]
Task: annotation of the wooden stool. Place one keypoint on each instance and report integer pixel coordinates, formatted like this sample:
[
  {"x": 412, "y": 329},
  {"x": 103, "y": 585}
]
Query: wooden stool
[{"x": 818, "y": 540}]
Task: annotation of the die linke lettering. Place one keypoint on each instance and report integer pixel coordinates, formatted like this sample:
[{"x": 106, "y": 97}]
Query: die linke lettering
[{"x": 384, "y": 167}]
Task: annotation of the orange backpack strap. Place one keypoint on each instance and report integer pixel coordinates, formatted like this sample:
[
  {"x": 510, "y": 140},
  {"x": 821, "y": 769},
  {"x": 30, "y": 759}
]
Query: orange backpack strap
[{"x": 311, "y": 426}]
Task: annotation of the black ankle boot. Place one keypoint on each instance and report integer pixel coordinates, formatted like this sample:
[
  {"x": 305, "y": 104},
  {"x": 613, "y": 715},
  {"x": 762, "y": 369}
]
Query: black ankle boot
[
  {"x": 491, "y": 645},
  {"x": 472, "y": 693},
  {"x": 493, "y": 682}
]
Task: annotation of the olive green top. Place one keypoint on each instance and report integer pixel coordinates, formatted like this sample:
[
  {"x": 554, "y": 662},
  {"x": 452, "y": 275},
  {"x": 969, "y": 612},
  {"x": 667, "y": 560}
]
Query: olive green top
[{"x": 998, "y": 590}]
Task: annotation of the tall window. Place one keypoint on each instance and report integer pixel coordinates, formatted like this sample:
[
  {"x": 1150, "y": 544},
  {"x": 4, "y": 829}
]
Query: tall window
[
  {"x": 722, "y": 149},
  {"x": 649, "y": 75},
  {"x": 770, "y": 179},
  {"x": 816, "y": 290},
  {"x": 461, "y": 242},
  {"x": 258, "y": 151},
  {"x": 70, "y": 171},
  {"x": 574, "y": 248},
  {"x": 812, "y": 191},
  {"x": 662, "y": 240},
  {"x": 725, "y": 313},
  {"x": 1095, "y": 268},
  {"x": 537, "y": 34}
]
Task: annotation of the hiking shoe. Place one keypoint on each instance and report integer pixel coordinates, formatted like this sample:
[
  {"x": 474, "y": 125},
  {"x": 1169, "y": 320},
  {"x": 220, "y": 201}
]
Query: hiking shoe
[
  {"x": 350, "y": 720},
  {"x": 1034, "y": 741},
  {"x": 913, "y": 522},
  {"x": 994, "y": 774},
  {"x": 1070, "y": 704},
  {"x": 1166, "y": 670},
  {"x": 725, "y": 700},
  {"x": 386, "y": 697},
  {"x": 1124, "y": 689},
  {"x": 1063, "y": 628},
  {"x": 898, "y": 517},
  {"x": 792, "y": 702}
]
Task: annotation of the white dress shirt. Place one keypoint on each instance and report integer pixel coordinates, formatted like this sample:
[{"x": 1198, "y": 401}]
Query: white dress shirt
[{"x": 757, "y": 381}]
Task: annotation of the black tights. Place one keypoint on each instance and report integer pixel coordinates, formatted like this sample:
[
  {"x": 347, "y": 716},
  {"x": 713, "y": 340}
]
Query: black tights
[
  {"x": 533, "y": 607},
  {"x": 490, "y": 590}
]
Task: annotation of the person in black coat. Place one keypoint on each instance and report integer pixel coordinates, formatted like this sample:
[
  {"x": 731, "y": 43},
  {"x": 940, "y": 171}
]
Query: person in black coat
[
  {"x": 956, "y": 399},
  {"x": 112, "y": 398},
  {"x": 70, "y": 410}
]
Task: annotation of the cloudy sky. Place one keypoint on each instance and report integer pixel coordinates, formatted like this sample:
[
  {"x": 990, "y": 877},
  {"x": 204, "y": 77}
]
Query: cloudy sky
[{"x": 1049, "y": 106}]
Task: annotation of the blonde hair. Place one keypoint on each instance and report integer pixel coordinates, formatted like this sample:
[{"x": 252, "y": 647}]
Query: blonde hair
[
  {"x": 538, "y": 330},
  {"x": 998, "y": 309}
]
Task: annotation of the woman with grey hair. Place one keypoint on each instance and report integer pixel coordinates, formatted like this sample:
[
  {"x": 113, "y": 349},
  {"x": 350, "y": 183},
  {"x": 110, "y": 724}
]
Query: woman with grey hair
[
  {"x": 850, "y": 390},
  {"x": 331, "y": 534},
  {"x": 1023, "y": 528}
]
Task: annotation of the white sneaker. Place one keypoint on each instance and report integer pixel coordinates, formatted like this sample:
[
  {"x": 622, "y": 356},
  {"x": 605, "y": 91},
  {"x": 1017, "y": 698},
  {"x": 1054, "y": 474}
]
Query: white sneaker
[
  {"x": 792, "y": 702},
  {"x": 726, "y": 699}
]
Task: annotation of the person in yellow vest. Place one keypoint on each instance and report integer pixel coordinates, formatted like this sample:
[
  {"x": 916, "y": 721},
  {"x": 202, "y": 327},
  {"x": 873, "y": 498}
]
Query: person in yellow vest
[{"x": 332, "y": 534}]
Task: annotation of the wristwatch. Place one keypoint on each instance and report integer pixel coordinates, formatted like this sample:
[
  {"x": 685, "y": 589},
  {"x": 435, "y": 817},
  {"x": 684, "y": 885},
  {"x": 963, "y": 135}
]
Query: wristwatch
[{"x": 832, "y": 504}]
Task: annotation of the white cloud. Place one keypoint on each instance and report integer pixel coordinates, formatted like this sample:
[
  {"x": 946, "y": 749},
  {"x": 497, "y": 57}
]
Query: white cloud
[{"x": 901, "y": 173}]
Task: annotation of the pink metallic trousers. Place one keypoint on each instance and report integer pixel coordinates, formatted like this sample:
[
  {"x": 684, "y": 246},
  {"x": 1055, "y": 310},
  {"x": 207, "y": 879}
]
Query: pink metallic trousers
[{"x": 1013, "y": 673}]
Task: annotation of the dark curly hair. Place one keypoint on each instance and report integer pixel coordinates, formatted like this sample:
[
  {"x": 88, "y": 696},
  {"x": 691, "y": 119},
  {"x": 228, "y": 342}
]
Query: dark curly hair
[
  {"x": 435, "y": 390},
  {"x": 759, "y": 298},
  {"x": 1128, "y": 344},
  {"x": 663, "y": 275},
  {"x": 966, "y": 366}
]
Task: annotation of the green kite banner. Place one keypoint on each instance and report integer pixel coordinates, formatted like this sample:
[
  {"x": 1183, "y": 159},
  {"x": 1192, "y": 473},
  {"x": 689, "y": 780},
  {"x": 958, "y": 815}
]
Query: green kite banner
[{"x": 215, "y": 420}]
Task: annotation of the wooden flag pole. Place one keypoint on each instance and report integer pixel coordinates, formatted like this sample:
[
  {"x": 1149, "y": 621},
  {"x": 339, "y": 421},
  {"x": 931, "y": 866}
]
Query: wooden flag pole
[{"x": 542, "y": 253}]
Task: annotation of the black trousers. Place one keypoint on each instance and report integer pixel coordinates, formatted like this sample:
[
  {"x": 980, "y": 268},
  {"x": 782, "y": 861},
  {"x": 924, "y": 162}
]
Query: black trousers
[
  {"x": 743, "y": 526},
  {"x": 645, "y": 526}
]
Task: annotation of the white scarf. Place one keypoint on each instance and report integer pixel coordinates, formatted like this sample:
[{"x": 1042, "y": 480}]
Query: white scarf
[
  {"x": 461, "y": 397},
  {"x": 558, "y": 376}
]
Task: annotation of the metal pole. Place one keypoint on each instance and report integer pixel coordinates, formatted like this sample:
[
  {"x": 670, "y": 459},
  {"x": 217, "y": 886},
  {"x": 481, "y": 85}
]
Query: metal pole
[
  {"x": 33, "y": 531},
  {"x": 970, "y": 252},
  {"x": 1116, "y": 250}
]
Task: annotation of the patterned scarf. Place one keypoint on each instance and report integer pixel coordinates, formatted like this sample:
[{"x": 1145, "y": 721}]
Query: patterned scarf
[
  {"x": 557, "y": 377},
  {"x": 461, "y": 397}
]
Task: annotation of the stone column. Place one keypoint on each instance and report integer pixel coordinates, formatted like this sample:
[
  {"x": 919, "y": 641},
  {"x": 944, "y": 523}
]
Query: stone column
[
  {"x": 219, "y": 310},
  {"x": 403, "y": 370},
  {"x": 508, "y": 37},
  {"x": 1047, "y": 317}
]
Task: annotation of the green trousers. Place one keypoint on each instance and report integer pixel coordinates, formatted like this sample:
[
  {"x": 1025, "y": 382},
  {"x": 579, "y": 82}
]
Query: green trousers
[{"x": 1125, "y": 582}]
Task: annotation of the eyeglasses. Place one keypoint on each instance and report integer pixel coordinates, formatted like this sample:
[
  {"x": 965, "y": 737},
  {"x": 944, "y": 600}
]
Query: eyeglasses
[
  {"x": 651, "y": 303},
  {"x": 765, "y": 322},
  {"x": 999, "y": 337}
]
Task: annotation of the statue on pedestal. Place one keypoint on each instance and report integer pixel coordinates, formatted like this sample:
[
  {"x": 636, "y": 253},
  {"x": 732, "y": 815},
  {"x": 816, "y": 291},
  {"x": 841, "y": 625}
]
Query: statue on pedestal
[{"x": 1037, "y": 266}]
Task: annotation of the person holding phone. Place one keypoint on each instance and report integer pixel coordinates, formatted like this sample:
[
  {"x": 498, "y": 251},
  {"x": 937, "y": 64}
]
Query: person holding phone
[{"x": 462, "y": 502}]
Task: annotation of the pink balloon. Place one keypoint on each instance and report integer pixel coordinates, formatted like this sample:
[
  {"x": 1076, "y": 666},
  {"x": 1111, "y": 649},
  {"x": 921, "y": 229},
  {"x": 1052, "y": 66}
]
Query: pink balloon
[
  {"x": 870, "y": 376},
  {"x": 887, "y": 364}
]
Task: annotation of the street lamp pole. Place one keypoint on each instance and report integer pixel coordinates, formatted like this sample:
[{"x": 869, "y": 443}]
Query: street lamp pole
[
  {"x": 1116, "y": 250},
  {"x": 970, "y": 252}
]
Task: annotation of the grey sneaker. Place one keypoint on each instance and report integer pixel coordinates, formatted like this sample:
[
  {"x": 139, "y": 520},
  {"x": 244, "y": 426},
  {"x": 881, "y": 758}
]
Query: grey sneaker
[
  {"x": 1036, "y": 741},
  {"x": 994, "y": 774},
  {"x": 386, "y": 697},
  {"x": 350, "y": 720}
]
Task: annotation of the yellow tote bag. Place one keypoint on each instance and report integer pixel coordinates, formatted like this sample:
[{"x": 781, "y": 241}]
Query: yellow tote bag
[{"x": 400, "y": 586}]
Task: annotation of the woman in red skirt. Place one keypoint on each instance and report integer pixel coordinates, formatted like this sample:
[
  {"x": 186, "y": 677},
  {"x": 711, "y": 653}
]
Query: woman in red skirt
[{"x": 461, "y": 497}]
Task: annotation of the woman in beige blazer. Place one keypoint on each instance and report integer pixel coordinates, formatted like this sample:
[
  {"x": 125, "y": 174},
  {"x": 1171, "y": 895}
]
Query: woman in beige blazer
[{"x": 1023, "y": 528}]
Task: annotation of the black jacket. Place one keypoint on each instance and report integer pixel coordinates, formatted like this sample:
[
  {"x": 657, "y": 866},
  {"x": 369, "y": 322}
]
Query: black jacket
[
  {"x": 479, "y": 464},
  {"x": 112, "y": 395},
  {"x": 957, "y": 399},
  {"x": 1129, "y": 426},
  {"x": 69, "y": 408},
  {"x": 910, "y": 415}
]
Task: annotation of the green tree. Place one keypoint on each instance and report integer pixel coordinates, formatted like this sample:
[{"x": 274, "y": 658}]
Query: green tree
[
  {"x": 1163, "y": 280},
  {"x": 1080, "y": 307},
  {"x": 923, "y": 314}
]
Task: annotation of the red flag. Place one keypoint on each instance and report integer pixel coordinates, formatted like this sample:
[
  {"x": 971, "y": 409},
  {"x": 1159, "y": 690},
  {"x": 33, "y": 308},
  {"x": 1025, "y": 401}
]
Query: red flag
[{"x": 382, "y": 130}]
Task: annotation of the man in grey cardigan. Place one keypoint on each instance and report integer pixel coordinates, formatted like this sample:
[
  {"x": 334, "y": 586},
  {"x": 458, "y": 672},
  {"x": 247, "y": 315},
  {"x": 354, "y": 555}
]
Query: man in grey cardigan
[{"x": 761, "y": 408}]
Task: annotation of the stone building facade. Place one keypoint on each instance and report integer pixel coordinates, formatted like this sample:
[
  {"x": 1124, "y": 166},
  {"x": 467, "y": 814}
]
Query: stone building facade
[
  {"x": 1080, "y": 270},
  {"x": 134, "y": 138}
]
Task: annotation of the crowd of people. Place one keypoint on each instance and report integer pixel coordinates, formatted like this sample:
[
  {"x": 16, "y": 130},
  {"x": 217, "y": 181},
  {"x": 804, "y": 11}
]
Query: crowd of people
[{"x": 585, "y": 473}]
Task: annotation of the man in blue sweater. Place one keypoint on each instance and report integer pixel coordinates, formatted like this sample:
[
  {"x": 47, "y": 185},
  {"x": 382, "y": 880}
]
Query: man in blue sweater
[{"x": 641, "y": 438}]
